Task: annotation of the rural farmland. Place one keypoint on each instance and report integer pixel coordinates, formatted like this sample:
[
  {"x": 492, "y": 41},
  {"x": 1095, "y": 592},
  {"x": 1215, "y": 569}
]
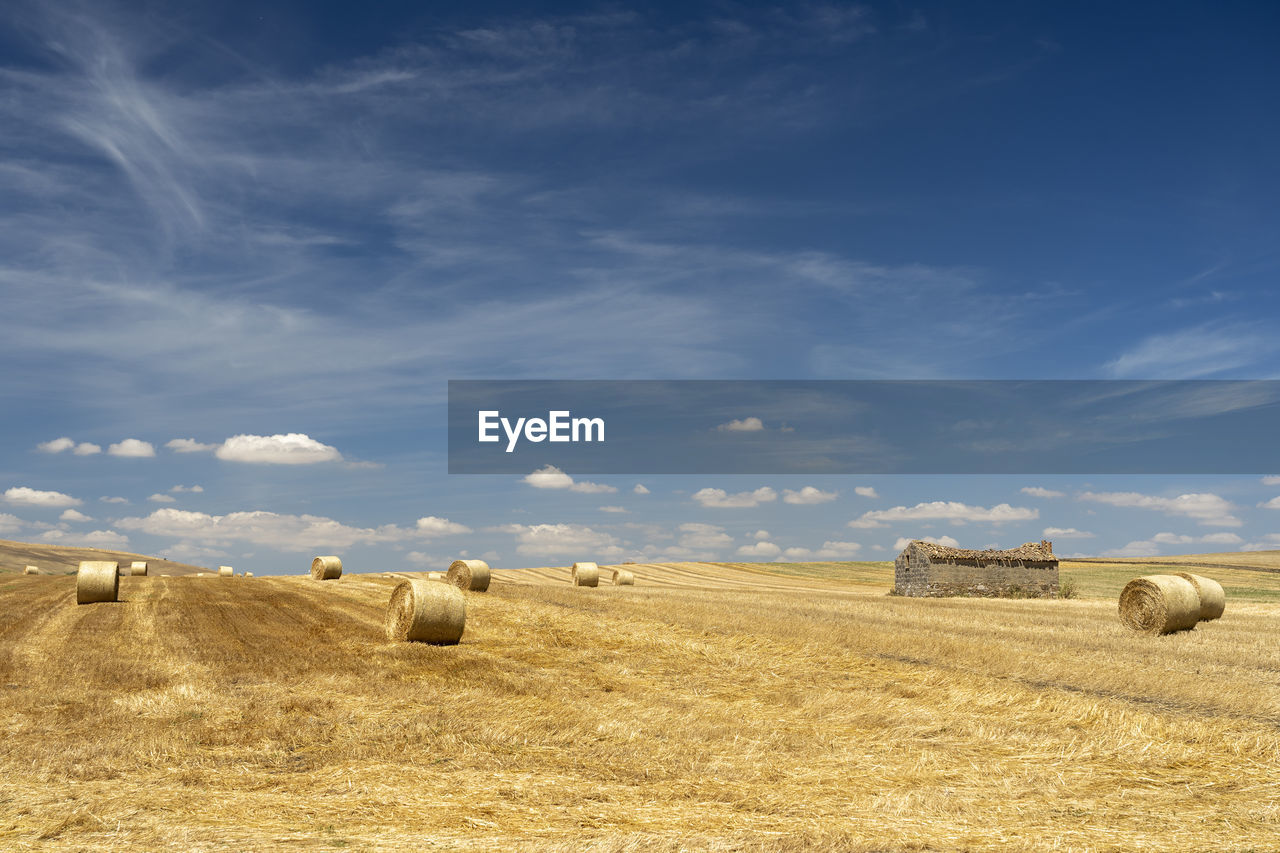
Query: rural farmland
[{"x": 707, "y": 707}]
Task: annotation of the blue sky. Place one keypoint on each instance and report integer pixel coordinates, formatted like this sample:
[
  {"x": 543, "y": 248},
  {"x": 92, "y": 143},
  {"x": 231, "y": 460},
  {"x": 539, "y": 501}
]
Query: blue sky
[{"x": 236, "y": 223}]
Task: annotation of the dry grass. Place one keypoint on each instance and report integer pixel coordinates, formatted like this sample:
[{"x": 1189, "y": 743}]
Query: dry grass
[{"x": 649, "y": 718}]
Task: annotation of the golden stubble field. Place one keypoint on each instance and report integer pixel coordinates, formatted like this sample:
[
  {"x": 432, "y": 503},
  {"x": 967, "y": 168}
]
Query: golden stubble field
[{"x": 271, "y": 713}]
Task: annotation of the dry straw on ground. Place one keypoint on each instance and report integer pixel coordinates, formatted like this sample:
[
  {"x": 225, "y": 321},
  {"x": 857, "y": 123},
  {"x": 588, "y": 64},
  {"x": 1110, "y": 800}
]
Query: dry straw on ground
[
  {"x": 1212, "y": 599},
  {"x": 31, "y": 570},
  {"x": 472, "y": 575},
  {"x": 97, "y": 580},
  {"x": 1159, "y": 604},
  {"x": 138, "y": 568},
  {"x": 622, "y": 577},
  {"x": 585, "y": 574},
  {"x": 326, "y": 568},
  {"x": 426, "y": 612}
]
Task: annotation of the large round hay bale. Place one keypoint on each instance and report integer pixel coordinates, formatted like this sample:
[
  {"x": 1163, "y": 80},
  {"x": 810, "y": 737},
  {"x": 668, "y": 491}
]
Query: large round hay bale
[
  {"x": 1159, "y": 604},
  {"x": 31, "y": 570},
  {"x": 622, "y": 577},
  {"x": 421, "y": 611},
  {"x": 226, "y": 572},
  {"x": 326, "y": 568},
  {"x": 138, "y": 569},
  {"x": 1212, "y": 599},
  {"x": 472, "y": 575},
  {"x": 97, "y": 580},
  {"x": 585, "y": 574}
]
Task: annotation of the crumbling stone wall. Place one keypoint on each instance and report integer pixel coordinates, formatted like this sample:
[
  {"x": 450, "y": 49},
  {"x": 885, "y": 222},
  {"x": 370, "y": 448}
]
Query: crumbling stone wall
[{"x": 915, "y": 574}]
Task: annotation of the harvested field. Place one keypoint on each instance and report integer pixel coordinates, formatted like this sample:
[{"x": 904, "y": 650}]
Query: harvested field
[
  {"x": 693, "y": 715},
  {"x": 65, "y": 559}
]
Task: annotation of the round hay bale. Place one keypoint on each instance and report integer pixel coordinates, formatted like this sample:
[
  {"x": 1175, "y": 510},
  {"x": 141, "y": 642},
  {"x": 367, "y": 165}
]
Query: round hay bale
[
  {"x": 226, "y": 572},
  {"x": 421, "y": 611},
  {"x": 435, "y": 576},
  {"x": 248, "y": 574},
  {"x": 586, "y": 574},
  {"x": 326, "y": 568},
  {"x": 31, "y": 570},
  {"x": 97, "y": 580},
  {"x": 138, "y": 569},
  {"x": 1212, "y": 599},
  {"x": 622, "y": 577},
  {"x": 472, "y": 575},
  {"x": 1159, "y": 604}
]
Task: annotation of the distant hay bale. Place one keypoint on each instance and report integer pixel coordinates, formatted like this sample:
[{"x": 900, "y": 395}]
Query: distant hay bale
[
  {"x": 435, "y": 576},
  {"x": 31, "y": 570},
  {"x": 1159, "y": 604},
  {"x": 248, "y": 574},
  {"x": 97, "y": 580},
  {"x": 326, "y": 568},
  {"x": 585, "y": 574},
  {"x": 138, "y": 569},
  {"x": 1212, "y": 599},
  {"x": 421, "y": 611},
  {"x": 471, "y": 575},
  {"x": 622, "y": 577},
  {"x": 226, "y": 572}
]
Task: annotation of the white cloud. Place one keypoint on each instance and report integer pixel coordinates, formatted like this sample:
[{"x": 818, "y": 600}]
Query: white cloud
[
  {"x": 420, "y": 559},
  {"x": 829, "y": 551},
  {"x": 1198, "y": 351},
  {"x": 760, "y": 549},
  {"x": 1039, "y": 492},
  {"x": 576, "y": 540},
  {"x": 953, "y": 511},
  {"x": 180, "y": 489},
  {"x": 1151, "y": 547},
  {"x": 1274, "y": 503},
  {"x": 1138, "y": 548},
  {"x": 87, "y": 448},
  {"x": 294, "y": 448},
  {"x": 551, "y": 477},
  {"x": 430, "y": 526},
  {"x": 1271, "y": 480},
  {"x": 24, "y": 496},
  {"x": 162, "y": 499},
  {"x": 276, "y": 530},
  {"x": 74, "y": 515},
  {"x": 57, "y": 445},
  {"x": 640, "y": 489},
  {"x": 744, "y": 425},
  {"x": 104, "y": 539},
  {"x": 618, "y": 509},
  {"x": 10, "y": 523},
  {"x": 760, "y": 534},
  {"x": 703, "y": 536},
  {"x": 721, "y": 499},
  {"x": 865, "y": 491},
  {"x": 1221, "y": 539},
  {"x": 941, "y": 540},
  {"x": 1206, "y": 508},
  {"x": 1065, "y": 533},
  {"x": 808, "y": 495},
  {"x": 132, "y": 448},
  {"x": 116, "y": 500},
  {"x": 189, "y": 445}
]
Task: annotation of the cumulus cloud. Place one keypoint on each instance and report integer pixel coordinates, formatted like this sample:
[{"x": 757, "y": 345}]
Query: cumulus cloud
[
  {"x": 941, "y": 540},
  {"x": 865, "y": 491},
  {"x": 180, "y": 489},
  {"x": 766, "y": 550},
  {"x": 96, "y": 538},
  {"x": 1039, "y": 492},
  {"x": 74, "y": 515},
  {"x": 548, "y": 540},
  {"x": 162, "y": 499},
  {"x": 640, "y": 489},
  {"x": 1065, "y": 533},
  {"x": 723, "y": 500},
  {"x": 808, "y": 495},
  {"x": 551, "y": 477},
  {"x": 618, "y": 509},
  {"x": 760, "y": 534},
  {"x": 420, "y": 559},
  {"x": 116, "y": 500},
  {"x": 23, "y": 496},
  {"x": 277, "y": 530},
  {"x": 189, "y": 445},
  {"x": 829, "y": 551},
  {"x": 1205, "y": 508},
  {"x": 698, "y": 536},
  {"x": 294, "y": 448},
  {"x": 57, "y": 445},
  {"x": 132, "y": 448},
  {"x": 87, "y": 448},
  {"x": 1152, "y": 547},
  {"x": 744, "y": 425},
  {"x": 10, "y": 523},
  {"x": 1274, "y": 503},
  {"x": 430, "y": 526},
  {"x": 953, "y": 511},
  {"x": 1271, "y": 480}
]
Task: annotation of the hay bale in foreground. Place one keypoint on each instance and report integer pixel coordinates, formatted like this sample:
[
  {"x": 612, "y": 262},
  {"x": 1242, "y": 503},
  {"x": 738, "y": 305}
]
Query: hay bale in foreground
[
  {"x": 622, "y": 577},
  {"x": 226, "y": 572},
  {"x": 585, "y": 574},
  {"x": 326, "y": 568},
  {"x": 422, "y": 611},
  {"x": 31, "y": 570},
  {"x": 138, "y": 569},
  {"x": 471, "y": 575},
  {"x": 1212, "y": 599},
  {"x": 97, "y": 580},
  {"x": 1159, "y": 604}
]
